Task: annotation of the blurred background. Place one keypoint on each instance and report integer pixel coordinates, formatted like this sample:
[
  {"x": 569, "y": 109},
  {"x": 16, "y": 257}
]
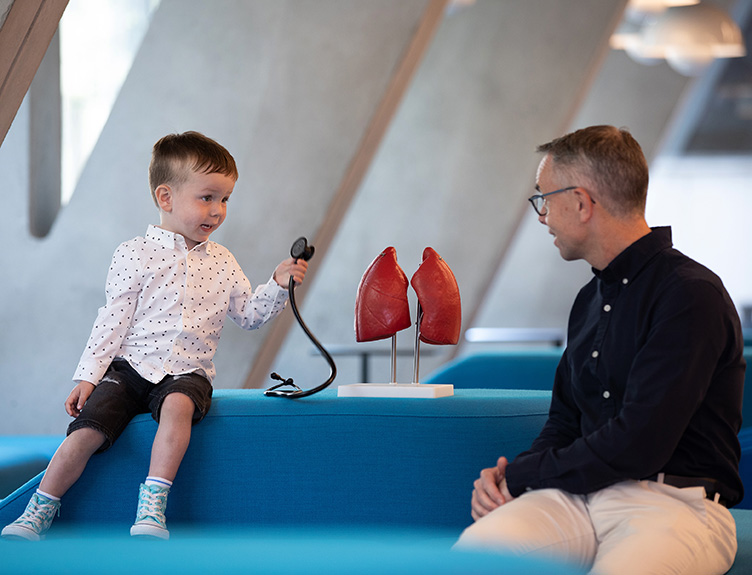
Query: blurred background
[{"x": 360, "y": 125}]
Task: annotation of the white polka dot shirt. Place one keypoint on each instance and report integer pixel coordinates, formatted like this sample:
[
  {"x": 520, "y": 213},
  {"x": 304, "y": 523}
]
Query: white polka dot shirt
[{"x": 166, "y": 307}]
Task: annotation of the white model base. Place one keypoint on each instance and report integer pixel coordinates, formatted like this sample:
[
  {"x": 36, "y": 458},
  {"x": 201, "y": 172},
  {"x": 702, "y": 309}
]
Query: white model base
[{"x": 416, "y": 390}]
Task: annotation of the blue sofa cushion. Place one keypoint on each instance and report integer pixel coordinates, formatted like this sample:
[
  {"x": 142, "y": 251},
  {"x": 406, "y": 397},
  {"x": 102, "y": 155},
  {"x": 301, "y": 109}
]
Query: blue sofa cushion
[{"x": 281, "y": 552}]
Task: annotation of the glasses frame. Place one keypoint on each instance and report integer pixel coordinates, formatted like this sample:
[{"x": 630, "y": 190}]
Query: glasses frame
[{"x": 543, "y": 211}]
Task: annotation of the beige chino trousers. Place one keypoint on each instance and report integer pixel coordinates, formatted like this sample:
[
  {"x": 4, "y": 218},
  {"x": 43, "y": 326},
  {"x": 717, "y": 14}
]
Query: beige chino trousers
[{"x": 631, "y": 528}]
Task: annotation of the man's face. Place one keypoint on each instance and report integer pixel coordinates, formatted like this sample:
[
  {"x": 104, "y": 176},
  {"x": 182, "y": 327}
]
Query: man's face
[{"x": 561, "y": 216}]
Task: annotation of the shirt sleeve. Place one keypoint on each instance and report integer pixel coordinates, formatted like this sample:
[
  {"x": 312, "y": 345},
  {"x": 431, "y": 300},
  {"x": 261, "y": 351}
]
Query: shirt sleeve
[
  {"x": 668, "y": 380},
  {"x": 114, "y": 318},
  {"x": 251, "y": 309}
]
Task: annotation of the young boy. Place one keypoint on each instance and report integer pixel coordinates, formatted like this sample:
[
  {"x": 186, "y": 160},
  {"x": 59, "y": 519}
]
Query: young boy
[{"x": 152, "y": 344}]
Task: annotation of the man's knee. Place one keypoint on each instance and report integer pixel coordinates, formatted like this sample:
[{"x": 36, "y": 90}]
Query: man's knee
[{"x": 548, "y": 523}]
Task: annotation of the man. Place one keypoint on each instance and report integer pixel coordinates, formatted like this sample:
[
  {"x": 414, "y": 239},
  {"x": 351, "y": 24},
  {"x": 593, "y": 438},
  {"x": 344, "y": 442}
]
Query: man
[{"x": 637, "y": 463}]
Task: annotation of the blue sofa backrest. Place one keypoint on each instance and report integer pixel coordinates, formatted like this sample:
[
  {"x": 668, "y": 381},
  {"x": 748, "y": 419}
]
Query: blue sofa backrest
[{"x": 524, "y": 368}]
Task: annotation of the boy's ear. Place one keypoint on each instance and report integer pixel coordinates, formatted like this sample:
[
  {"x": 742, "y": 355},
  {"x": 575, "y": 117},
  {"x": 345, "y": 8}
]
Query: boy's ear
[{"x": 163, "y": 194}]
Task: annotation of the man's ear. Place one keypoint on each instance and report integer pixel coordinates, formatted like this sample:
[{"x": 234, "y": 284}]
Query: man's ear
[
  {"x": 584, "y": 204},
  {"x": 163, "y": 194}
]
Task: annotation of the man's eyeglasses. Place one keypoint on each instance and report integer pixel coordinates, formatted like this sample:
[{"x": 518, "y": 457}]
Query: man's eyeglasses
[{"x": 538, "y": 201}]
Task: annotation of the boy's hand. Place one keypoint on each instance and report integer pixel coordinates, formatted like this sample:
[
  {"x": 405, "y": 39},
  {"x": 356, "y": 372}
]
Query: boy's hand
[
  {"x": 290, "y": 268},
  {"x": 77, "y": 398}
]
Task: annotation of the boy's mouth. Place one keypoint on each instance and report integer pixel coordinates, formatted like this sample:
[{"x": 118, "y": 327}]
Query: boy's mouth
[{"x": 207, "y": 227}]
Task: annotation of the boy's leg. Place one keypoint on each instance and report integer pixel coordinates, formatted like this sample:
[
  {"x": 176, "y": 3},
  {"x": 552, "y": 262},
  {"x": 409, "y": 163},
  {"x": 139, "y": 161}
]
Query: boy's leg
[
  {"x": 70, "y": 460},
  {"x": 177, "y": 404},
  {"x": 119, "y": 396},
  {"x": 173, "y": 436},
  {"x": 64, "y": 469}
]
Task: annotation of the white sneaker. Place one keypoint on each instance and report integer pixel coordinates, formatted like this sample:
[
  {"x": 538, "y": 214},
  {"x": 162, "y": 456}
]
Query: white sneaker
[
  {"x": 150, "y": 516},
  {"x": 35, "y": 520}
]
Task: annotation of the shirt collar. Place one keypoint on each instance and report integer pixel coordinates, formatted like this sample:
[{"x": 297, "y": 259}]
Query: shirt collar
[
  {"x": 628, "y": 263},
  {"x": 172, "y": 240}
]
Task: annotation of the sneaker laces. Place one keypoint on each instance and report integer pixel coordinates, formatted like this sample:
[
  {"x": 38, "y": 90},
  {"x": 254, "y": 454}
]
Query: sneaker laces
[
  {"x": 39, "y": 513},
  {"x": 151, "y": 505}
]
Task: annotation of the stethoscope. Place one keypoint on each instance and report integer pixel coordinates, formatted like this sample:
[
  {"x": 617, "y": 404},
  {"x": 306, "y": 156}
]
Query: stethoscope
[{"x": 301, "y": 250}]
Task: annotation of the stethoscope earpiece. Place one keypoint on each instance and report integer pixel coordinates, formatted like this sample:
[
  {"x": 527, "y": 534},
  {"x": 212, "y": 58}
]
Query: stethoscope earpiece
[{"x": 300, "y": 250}]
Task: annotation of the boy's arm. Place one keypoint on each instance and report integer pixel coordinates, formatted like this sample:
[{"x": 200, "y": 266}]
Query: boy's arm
[
  {"x": 251, "y": 310},
  {"x": 114, "y": 318}
]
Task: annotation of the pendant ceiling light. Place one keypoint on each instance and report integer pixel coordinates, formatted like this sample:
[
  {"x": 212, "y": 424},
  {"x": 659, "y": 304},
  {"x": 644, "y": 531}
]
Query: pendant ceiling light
[{"x": 689, "y": 37}]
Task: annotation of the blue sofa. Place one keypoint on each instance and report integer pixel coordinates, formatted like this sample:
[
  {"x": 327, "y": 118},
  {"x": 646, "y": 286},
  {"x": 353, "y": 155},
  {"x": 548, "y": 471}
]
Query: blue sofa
[{"x": 322, "y": 484}]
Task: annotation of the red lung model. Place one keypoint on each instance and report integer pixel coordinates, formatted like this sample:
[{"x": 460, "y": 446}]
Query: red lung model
[
  {"x": 381, "y": 307},
  {"x": 439, "y": 298}
]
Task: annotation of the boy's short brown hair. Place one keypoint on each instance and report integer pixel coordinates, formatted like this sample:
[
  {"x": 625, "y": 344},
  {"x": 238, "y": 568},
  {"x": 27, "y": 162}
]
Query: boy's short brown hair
[{"x": 175, "y": 155}]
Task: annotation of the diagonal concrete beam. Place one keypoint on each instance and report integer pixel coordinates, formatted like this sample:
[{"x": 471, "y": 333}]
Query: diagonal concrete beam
[{"x": 27, "y": 31}]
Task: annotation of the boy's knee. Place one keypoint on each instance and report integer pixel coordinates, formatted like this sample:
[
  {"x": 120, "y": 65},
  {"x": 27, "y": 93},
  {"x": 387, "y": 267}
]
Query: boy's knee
[
  {"x": 85, "y": 438},
  {"x": 176, "y": 405}
]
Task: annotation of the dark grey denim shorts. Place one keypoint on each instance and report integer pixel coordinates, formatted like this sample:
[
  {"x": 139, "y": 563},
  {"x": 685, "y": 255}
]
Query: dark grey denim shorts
[{"x": 123, "y": 393}]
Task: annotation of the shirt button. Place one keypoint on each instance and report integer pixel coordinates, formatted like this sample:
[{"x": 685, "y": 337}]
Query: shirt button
[
  {"x": 595, "y": 353},
  {"x": 625, "y": 281},
  {"x": 606, "y": 394},
  {"x": 606, "y": 307}
]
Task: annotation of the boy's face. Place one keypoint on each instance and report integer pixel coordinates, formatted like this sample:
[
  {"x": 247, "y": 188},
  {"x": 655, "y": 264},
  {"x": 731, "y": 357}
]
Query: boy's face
[{"x": 195, "y": 208}]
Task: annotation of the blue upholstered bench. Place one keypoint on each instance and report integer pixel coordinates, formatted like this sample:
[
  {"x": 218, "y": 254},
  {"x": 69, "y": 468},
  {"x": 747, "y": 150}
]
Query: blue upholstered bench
[{"x": 323, "y": 484}]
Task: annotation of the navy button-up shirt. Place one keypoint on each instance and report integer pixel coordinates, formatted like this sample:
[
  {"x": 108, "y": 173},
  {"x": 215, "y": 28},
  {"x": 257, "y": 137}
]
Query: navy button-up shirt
[{"x": 651, "y": 380}]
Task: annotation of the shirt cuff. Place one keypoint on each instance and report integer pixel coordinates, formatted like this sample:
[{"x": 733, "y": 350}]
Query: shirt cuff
[{"x": 91, "y": 371}]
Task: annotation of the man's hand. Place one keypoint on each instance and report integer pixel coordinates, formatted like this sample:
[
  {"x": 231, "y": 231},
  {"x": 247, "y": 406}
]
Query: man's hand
[
  {"x": 491, "y": 490},
  {"x": 290, "y": 268},
  {"x": 77, "y": 398}
]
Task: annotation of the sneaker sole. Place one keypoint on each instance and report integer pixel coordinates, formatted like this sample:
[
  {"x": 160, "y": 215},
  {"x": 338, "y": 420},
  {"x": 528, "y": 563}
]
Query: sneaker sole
[
  {"x": 149, "y": 531},
  {"x": 18, "y": 533}
]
